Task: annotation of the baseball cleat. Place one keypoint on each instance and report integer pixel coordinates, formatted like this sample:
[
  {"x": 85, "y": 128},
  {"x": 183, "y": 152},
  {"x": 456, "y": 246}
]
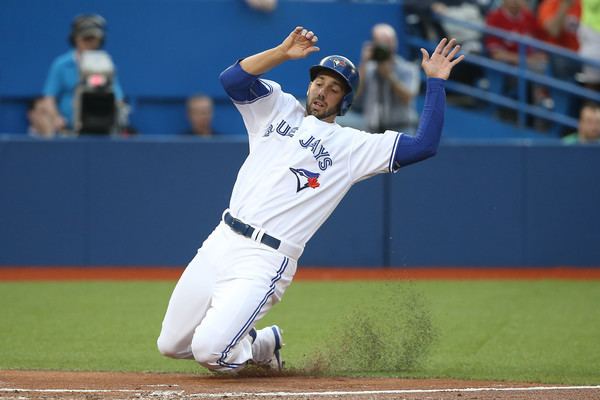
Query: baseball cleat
[
  {"x": 252, "y": 334},
  {"x": 277, "y": 362}
]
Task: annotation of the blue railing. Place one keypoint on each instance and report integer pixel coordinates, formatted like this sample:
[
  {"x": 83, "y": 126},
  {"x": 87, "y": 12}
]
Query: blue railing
[{"x": 562, "y": 91}]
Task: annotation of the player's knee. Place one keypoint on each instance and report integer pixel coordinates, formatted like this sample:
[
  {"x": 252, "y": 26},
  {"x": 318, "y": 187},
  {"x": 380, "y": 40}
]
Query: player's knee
[
  {"x": 168, "y": 346},
  {"x": 211, "y": 355},
  {"x": 205, "y": 352}
]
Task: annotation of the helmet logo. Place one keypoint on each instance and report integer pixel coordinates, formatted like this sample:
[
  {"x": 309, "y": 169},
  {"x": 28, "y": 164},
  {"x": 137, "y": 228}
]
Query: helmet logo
[{"x": 338, "y": 62}]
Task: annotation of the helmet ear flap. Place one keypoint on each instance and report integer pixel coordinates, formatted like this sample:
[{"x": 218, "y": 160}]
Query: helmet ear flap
[{"x": 346, "y": 103}]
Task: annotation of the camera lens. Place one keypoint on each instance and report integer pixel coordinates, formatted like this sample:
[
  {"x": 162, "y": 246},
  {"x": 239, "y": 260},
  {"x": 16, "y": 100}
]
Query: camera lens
[{"x": 380, "y": 53}]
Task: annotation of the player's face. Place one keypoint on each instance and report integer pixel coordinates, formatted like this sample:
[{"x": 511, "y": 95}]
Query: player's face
[{"x": 325, "y": 94}]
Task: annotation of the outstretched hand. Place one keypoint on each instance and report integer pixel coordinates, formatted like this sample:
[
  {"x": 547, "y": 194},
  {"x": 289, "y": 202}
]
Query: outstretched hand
[
  {"x": 300, "y": 43},
  {"x": 442, "y": 60}
]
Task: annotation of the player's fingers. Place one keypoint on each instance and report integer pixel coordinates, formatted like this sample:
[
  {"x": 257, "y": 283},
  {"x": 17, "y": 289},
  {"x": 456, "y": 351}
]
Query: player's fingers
[
  {"x": 312, "y": 49},
  {"x": 309, "y": 35},
  {"x": 448, "y": 46},
  {"x": 425, "y": 56},
  {"x": 459, "y": 59},
  {"x": 454, "y": 51},
  {"x": 315, "y": 39},
  {"x": 440, "y": 46}
]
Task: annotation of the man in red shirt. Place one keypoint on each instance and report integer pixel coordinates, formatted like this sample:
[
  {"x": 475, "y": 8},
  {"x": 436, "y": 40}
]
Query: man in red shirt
[{"x": 515, "y": 17}]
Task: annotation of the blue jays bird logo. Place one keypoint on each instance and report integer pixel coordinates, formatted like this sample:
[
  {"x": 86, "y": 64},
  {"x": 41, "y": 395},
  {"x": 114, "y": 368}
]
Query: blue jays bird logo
[
  {"x": 338, "y": 63},
  {"x": 306, "y": 179}
]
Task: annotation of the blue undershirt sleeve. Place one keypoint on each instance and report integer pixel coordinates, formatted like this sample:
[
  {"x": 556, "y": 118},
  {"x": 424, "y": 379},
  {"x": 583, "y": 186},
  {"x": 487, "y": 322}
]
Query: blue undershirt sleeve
[
  {"x": 242, "y": 86},
  {"x": 424, "y": 144}
]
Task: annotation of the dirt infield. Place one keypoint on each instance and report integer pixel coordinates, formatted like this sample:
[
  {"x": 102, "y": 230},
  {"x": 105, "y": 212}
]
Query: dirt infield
[{"x": 25, "y": 385}]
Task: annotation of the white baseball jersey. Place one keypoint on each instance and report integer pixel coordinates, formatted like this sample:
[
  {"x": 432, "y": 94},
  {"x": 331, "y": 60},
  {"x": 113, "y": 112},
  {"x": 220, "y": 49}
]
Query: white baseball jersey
[{"x": 299, "y": 167}]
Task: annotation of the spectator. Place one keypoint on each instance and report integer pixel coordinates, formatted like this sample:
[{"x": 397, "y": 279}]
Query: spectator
[
  {"x": 588, "y": 129},
  {"x": 388, "y": 85},
  {"x": 514, "y": 16},
  {"x": 87, "y": 33},
  {"x": 559, "y": 20},
  {"x": 266, "y": 6},
  {"x": 589, "y": 41},
  {"x": 44, "y": 121},
  {"x": 470, "y": 39},
  {"x": 200, "y": 115},
  {"x": 419, "y": 20}
]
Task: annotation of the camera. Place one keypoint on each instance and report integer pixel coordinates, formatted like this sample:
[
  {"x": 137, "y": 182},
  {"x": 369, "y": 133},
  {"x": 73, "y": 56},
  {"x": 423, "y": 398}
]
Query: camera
[
  {"x": 380, "y": 53},
  {"x": 95, "y": 109}
]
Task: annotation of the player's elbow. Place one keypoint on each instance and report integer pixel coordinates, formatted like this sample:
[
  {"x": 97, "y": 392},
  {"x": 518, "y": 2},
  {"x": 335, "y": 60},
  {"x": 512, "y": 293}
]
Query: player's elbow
[
  {"x": 424, "y": 154},
  {"x": 429, "y": 152},
  {"x": 225, "y": 78},
  {"x": 412, "y": 150}
]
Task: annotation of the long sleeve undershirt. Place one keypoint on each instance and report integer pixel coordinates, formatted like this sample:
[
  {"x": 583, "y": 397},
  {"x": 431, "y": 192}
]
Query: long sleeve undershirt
[{"x": 424, "y": 143}]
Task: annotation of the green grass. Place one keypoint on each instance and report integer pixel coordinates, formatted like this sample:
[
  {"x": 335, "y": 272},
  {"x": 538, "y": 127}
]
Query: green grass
[{"x": 539, "y": 331}]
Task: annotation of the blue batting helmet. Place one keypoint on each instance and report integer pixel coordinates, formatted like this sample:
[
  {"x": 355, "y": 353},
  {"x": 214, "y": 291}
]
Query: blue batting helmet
[{"x": 346, "y": 70}]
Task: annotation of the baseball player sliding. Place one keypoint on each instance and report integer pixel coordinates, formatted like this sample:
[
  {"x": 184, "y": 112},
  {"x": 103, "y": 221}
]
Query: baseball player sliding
[{"x": 299, "y": 167}]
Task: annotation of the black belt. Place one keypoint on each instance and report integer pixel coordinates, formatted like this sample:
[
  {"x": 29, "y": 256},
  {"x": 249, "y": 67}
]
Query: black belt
[{"x": 247, "y": 230}]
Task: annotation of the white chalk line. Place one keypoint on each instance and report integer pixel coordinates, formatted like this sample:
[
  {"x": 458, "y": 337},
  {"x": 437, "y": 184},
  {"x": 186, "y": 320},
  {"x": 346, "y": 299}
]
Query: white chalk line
[{"x": 298, "y": 394}]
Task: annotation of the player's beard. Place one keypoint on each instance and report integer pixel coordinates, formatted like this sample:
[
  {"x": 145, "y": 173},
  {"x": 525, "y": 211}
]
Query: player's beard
[{"x": 323, "y": 114}]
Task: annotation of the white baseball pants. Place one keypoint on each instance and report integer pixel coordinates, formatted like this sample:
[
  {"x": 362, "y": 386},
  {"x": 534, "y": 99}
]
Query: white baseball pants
[{"x": 229, "y": 285}]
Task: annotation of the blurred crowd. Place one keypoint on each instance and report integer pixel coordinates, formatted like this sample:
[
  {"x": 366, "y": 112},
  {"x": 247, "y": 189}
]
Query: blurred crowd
[
  {"x": 82, "y": 93},
  {"x": 571, "y": 25}
]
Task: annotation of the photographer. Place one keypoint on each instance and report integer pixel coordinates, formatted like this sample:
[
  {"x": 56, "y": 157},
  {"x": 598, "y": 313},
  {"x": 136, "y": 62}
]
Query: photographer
[
  {"x": 87, "y": 33},
  {"x": 389, "y": 84}
]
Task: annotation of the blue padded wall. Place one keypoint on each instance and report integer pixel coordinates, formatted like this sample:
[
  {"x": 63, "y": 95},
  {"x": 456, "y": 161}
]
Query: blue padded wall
[
  {"x": 460, "y": 207},
  {"x": 152, "y": 201},
  {"x": 562, "y": 200}
]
